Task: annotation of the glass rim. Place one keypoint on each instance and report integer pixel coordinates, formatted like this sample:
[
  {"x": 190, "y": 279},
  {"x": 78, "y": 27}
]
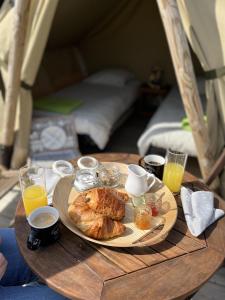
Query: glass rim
[
  {"x": 85, "y": 171},
  {"x": 27, "y": 166},
  {"x": 24, "y": 173},
  {"x": 175, "y": 152}
]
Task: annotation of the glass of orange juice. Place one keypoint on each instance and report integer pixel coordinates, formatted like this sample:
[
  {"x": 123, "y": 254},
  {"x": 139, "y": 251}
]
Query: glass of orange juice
[
  {"x": 174, "y": 170},
  {"x": 32, "y": 184}
]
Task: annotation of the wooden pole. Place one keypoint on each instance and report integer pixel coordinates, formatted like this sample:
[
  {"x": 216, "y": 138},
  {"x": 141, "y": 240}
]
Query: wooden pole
[
  {"x": 13, "y": 82},
  {"x": 216, "y": 169},
  {"x": 183, "y": 66}
]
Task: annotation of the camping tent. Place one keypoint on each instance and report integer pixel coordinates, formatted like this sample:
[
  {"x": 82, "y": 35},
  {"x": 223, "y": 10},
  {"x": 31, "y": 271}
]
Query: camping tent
[
  {"x": 110, "y": 34},
  {"x": 125, "y": 28}
]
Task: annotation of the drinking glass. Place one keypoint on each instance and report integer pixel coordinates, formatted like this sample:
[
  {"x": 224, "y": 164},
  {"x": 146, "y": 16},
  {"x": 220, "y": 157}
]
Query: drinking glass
[
  {"x": 174, "y": 170},
  {"x": 85, "y": 179},
  {"x": 33, "y": 188}
]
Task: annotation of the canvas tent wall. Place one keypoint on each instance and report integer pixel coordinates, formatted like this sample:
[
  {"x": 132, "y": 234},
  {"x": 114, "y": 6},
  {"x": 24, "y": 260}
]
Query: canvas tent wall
[
  {"x": 111, "y": 34},
  {"x": 123, "y": 33},
  {"x": 110, "y": 21},
  {"x": 38, "y": 24}
]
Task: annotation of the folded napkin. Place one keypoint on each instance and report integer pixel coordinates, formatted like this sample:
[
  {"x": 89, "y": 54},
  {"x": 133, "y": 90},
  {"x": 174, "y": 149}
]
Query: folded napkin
[
  {"x": 199, "y": 210},
  {"x": 59, "y": 169},
  {"x": 51, "y": 180}
]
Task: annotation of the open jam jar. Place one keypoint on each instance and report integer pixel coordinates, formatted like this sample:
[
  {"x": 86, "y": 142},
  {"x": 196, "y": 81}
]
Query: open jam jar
[
  {"x": 154, "y": 202},
  {"x": 142, "y": 217}
]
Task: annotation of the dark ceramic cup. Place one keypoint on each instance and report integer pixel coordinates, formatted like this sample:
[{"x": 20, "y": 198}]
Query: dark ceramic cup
[
  {"x": 153, "y": 164},
  {"x": 44, "y": 223}
]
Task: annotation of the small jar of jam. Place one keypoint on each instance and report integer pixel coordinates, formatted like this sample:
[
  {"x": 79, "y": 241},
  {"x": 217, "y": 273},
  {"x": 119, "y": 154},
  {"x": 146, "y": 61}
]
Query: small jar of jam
[
  {"x": 154, "y": 202},
  {"x": 142, "y": 217}
]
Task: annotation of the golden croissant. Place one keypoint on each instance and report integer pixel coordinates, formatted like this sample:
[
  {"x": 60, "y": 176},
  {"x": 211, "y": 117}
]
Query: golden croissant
[
  {"x": 93, "y": 224},
  {"x": 107, "y": 202}
]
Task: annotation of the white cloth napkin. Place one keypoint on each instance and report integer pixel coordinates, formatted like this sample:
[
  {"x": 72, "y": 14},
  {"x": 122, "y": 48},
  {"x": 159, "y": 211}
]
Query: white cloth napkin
[
  {"x": 199, "y": 210},
  {"x": 51, "y": 180},
  {"x": 59, "y": 168}
]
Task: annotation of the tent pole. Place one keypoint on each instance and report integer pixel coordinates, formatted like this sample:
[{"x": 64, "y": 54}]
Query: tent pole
[
  {"x": 183, "y": 66},
  {"x": 13, "y": 82}
]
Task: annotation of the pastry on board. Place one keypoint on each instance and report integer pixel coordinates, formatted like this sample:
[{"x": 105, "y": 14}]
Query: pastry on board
[
  {"x": 107, "y": 201},
  {"x": 91, "y": 223}
]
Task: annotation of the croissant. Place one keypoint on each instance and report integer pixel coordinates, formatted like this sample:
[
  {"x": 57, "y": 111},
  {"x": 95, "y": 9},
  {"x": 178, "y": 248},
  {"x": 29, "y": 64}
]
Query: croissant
[
  {"x": 123, "y": 196},
  {"x": 91, "y": 223},
  {"x": 107, "y": 202}
]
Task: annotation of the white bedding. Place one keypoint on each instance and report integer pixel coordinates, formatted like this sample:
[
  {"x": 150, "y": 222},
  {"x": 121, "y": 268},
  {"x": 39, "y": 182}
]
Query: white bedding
[
  {"x": 102, "y": 105},
  {"x": 164, "y": 129}
]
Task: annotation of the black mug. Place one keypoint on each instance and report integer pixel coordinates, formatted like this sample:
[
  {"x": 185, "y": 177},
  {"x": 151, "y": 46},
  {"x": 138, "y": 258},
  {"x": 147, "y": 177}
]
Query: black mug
[
  {"x": 44, "y": 223},
  {"x": 153, "y": 164}
]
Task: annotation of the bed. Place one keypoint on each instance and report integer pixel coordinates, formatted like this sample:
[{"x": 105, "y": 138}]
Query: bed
[
  {"x": 165, "y": 129},
  {"x": 106, "y": 96}
]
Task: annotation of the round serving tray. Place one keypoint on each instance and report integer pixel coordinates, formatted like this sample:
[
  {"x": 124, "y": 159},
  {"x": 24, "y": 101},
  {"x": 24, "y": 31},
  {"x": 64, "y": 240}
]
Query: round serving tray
[{"x": 65, "y": 193}]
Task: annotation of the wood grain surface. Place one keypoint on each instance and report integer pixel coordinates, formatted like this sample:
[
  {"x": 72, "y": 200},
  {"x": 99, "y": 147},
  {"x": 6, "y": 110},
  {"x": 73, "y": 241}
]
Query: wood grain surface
[{"x": 172, "y": 269}]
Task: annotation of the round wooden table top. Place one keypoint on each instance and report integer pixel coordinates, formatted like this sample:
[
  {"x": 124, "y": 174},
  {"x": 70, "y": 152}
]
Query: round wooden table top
[{"x": 172, "y": 269}]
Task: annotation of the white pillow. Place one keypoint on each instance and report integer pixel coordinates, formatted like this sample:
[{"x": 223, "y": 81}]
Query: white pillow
[{"x": 115, "y": 77}]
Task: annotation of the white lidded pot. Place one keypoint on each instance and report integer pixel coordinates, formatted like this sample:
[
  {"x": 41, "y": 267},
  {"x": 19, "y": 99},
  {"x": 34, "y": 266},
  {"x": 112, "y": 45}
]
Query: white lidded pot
[{"x": 137, "y": 180}]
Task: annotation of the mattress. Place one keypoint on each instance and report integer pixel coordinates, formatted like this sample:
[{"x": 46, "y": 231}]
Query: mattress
[
  {"x": 102, "y": 106},
  {"x": 164, "y": 129}
]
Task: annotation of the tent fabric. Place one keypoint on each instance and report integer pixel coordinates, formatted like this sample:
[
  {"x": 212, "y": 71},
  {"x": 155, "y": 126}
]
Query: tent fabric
[
  {"x": 203, "y": 15},
  {"x": 40, "y": 18},
  {"x": 39, "y": 24},
  {"x": 115, "y": 25},
  {"x": 6, "y": 18},
  {"x": 60, "y": 68},
  {"x": 204, "y": 21}
]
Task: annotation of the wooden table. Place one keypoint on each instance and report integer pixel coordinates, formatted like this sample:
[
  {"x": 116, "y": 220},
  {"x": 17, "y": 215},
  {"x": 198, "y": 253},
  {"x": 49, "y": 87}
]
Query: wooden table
[{"x": 173, "y": 269}]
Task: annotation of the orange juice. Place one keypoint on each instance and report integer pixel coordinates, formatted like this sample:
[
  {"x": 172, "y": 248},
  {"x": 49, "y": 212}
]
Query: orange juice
[
  {"x": 173, "y": 176},
  {"x": 34, "y": 196}
]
